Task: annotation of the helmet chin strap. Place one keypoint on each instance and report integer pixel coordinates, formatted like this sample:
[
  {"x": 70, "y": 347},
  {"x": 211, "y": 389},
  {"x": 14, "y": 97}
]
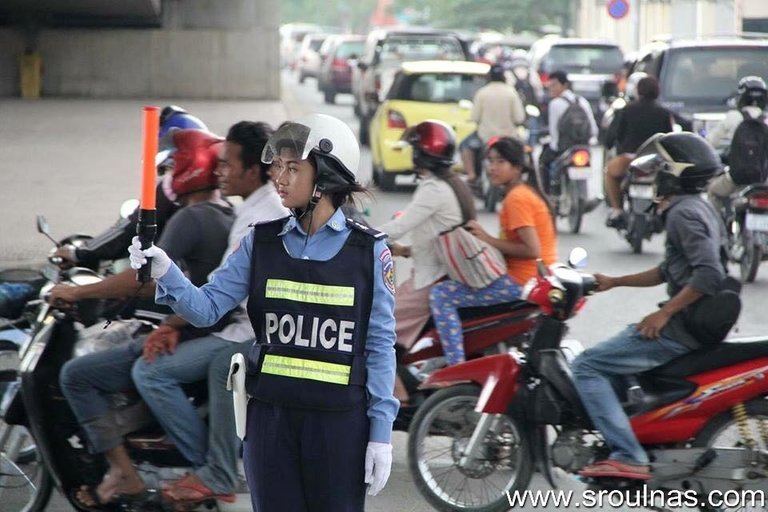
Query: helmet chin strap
[{"x": 299, "y": 213}]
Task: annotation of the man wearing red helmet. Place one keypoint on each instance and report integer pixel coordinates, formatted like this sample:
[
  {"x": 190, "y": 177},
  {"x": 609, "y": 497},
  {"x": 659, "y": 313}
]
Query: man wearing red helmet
[{"x": 195, "y": 237}]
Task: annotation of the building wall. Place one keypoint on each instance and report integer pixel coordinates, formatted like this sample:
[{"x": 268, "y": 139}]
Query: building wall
[
  {"x": 659, "y": 18},
  {"x": 202, "y": 51}
]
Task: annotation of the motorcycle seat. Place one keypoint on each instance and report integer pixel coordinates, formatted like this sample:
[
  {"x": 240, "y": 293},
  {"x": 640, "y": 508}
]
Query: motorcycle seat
[
  {"x": 711, "y": 358},
  {"x": 496, "y": 309}
]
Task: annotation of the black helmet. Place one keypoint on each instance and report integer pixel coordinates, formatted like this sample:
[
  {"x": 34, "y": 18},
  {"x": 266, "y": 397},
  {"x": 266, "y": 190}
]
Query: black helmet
[
  {"x": 752, "y": 91},
  {"x": 434, "y": 144},
  {"x": 681, "y": 163},
  {"x": 497, "y": 73}
]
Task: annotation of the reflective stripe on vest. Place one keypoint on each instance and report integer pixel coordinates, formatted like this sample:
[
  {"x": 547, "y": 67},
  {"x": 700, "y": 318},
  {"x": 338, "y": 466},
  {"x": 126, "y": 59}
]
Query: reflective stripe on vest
[
  {"x": 310, "y": 293},
  {"x": 306, "y": 369}
]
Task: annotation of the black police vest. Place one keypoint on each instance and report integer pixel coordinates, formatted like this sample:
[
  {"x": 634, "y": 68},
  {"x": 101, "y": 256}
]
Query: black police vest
[{"x": 311, "y": 320}]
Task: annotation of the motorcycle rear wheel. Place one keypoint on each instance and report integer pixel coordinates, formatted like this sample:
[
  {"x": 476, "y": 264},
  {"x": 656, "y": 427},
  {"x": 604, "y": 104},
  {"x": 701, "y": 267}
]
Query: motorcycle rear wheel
[
  {"x": 25, "y": 483},
  {"x": 750, "y": 259},
  {"x": 439, "y": 432},
  {"x": 723, "y": 432}
]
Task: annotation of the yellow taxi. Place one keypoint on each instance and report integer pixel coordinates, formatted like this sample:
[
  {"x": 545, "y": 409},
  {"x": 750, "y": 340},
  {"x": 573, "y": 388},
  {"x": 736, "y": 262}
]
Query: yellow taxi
[{"x": 439, "y": 89}]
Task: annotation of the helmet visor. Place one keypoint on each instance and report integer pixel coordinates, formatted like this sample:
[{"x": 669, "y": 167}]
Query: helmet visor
[{"x": 291, "y": 141}]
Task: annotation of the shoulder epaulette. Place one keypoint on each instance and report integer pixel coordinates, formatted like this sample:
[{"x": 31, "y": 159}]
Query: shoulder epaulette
[{"x": 368, "y": 230}]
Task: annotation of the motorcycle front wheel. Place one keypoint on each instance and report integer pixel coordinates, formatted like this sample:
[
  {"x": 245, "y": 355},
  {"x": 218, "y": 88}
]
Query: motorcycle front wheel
[
  {"x": 25, "y": 483},
  {"x": 439, "y": 434},
  {"x": 725, "y": 431}
]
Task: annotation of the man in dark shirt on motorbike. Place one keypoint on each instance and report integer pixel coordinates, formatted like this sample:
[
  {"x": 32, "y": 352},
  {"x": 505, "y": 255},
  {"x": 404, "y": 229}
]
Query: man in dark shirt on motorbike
[
  {"x": 683, "y": 164},
  {"x": 636, "y": 122},
  {"x": 111, "y": 243}
]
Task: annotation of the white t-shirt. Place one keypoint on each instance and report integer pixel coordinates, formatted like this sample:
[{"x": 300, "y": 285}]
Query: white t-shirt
[
  {"x": 433, "y": 209},
  {"x": 262, "y": 205},
  {"x": 558, "y": 106},
  {"x": 497, "y": 110}
]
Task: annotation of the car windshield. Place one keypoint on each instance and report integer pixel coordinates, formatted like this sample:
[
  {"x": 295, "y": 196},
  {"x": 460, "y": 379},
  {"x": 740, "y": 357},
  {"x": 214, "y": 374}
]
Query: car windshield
[
  {"x": 711, "y": 74},
  {"x": 349, "y": 48},
  {"x": 586, "y": 59},
  {"x": 315, "y": 44},
  {"x": 400, "y": 49},
  {"x": 437, "y": 87}
]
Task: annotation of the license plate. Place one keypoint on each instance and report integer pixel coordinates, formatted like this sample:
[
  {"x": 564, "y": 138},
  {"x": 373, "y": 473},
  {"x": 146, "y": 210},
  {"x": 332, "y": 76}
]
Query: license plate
[
  {"x": 757, "y": 221},
  {"x": 579, "y": 173},
  {"x": 641, "y": 191}
]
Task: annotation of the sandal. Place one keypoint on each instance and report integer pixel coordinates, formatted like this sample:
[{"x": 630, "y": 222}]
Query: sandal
[
  {"x": 190, "y": 490},
  {"x": 76, "y": 496},
  {"x": 86, "y": 498},
  {"x": 610, "y": 468}
]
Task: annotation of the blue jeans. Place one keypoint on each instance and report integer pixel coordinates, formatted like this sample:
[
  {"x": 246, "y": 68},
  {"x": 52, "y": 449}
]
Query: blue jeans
[
  {"x": 447, "y": 297},
  {"x": 627, "y": 353},
  {"x": 88, "y": 383},
  {"x": 159, "y": 383}
]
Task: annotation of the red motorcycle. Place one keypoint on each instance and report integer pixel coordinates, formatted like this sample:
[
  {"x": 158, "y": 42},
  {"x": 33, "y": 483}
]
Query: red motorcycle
[
  {"x": 487, "y": 330},
  {"x": 703, "y": 417}
]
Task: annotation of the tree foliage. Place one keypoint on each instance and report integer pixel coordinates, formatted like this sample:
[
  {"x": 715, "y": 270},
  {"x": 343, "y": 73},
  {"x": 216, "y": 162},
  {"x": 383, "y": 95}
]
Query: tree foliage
[
  {"x": 517, "y": 15},
  {"x": 345, "y": 14}
]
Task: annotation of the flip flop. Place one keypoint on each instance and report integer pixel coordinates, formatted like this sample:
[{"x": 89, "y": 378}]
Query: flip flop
[
  {"x": 610, "y": 468},
  {"x": 190, "y": 490}
]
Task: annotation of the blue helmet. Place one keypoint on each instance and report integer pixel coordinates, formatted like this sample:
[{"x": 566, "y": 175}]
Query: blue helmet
[{"x": 174, "y": 116}]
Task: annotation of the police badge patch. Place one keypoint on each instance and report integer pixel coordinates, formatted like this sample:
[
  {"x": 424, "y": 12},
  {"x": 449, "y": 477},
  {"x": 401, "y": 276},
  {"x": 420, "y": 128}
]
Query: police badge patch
[{"x": 388, "y": 269}]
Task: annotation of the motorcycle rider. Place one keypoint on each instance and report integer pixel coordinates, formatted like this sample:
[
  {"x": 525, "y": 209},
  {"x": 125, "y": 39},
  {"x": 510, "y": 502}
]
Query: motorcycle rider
[
  {"x": 433, "y": 209},
  {"x": 196, "y": 236},
  {"x": 635, "y": 123},
  {"x": 562, "y": 97},
  {"x": 111, "y": 243},
  {"x": 213, "y": 450},
  {"x": 751, "y": 103},
  {"x": 320, "y": 419},
  {"x": 497, "y": 110},
  {"x": 683, "y": 164}
]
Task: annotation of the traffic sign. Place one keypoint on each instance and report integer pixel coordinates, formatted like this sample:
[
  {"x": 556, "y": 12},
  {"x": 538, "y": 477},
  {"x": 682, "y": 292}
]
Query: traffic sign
[{"x": 617, "y": 9}]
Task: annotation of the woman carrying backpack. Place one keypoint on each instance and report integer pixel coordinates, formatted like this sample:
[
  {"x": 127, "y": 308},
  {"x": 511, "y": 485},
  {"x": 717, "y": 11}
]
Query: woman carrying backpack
[{"x": 745, "y": 134}]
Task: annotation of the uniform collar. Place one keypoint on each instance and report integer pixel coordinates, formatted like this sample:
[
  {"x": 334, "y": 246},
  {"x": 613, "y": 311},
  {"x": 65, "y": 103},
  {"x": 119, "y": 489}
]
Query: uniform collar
[{"x": 337, "y": 222}]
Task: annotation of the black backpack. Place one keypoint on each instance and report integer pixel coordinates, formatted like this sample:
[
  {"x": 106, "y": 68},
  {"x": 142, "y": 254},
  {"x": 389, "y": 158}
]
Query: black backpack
[
  {"x": 748, "y": 156},
  {"x": 573, "y": 128},
  {"x": 525, "y": 91}
]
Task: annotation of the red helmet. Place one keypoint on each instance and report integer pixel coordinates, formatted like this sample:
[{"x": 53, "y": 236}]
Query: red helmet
[
  {"x": 194, "y": 161},
  {"x": 434, "y": 144}
]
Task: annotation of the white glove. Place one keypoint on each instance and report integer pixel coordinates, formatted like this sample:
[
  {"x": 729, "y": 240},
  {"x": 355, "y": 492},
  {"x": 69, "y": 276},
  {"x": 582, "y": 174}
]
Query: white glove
[
  {"x": 160, "y": 261},
  {"x": 378, "y": 465}
]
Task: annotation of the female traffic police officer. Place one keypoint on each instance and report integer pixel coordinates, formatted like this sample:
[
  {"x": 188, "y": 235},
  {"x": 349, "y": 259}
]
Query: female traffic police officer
[{"x": 321, "y": 299}]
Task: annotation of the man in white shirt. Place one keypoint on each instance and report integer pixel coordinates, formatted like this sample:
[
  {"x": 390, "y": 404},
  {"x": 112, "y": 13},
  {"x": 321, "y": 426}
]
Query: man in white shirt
[
  {"x": 498, "y": 111},
  {"x": 213, "y": 451},
  {"x": 562, "y": 97}
]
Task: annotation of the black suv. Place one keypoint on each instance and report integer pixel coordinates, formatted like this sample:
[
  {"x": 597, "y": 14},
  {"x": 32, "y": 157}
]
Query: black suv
[{"x": 698, "y": 77}]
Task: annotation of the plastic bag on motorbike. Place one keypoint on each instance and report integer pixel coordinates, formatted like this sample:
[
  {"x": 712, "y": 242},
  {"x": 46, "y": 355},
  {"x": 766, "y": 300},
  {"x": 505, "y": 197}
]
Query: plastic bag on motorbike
[{"x": 97, "y": 339}]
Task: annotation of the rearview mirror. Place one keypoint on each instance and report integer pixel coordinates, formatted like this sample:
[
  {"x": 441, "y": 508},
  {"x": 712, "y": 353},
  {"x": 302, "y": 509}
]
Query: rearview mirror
[
  {"x": 532, "y": 111},
  {"x": 578, "y": 258},
  {"x": 128, "y": 207},
  {"x": 42, "y": 225}
]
